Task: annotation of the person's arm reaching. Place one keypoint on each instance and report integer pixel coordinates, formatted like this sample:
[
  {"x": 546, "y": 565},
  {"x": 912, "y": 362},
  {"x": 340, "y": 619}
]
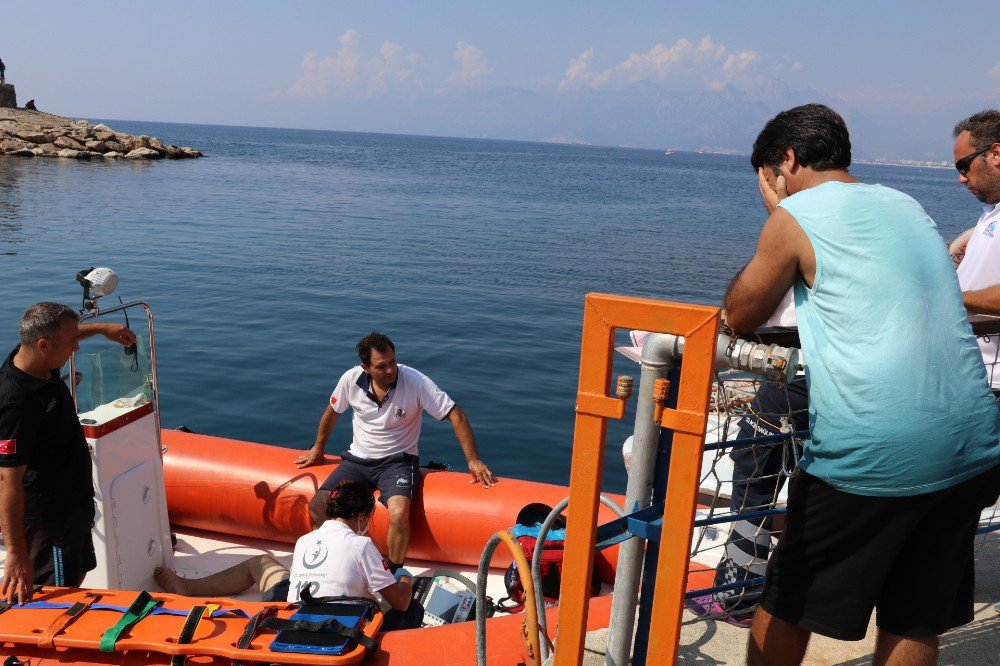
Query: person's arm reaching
[
  {"x": 115, "y": 332},
  {"x": 315, "y": 455},
  {"x": 463, "y": 432},
  {"x": 983, "y": 301},
  {"x": 400, "y": 593},
  {"x": 17, "y": 576}
]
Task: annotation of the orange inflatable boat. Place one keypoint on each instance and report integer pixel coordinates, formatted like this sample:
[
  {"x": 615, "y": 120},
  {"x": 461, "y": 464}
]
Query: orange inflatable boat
[{"x": 253, "y": 492}]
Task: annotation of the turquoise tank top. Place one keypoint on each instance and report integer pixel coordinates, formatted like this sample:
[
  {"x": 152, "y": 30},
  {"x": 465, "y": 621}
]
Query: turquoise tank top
[{"x": 899, "y": 403}]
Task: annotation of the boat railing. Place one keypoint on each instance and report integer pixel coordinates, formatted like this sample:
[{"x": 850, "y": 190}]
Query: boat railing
[{"x": 684, "y": 416}]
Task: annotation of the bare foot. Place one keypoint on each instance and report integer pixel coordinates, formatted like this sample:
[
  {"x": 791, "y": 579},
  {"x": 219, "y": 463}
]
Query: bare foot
[{"x": 170, "y": 581}]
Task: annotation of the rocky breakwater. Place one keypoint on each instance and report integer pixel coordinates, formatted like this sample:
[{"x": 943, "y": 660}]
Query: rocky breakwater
[{"x": 26, "y": 133}]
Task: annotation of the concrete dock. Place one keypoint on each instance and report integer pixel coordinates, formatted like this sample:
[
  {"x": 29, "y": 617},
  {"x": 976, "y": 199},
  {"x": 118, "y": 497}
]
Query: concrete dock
[{"x": 712, "y": 643}]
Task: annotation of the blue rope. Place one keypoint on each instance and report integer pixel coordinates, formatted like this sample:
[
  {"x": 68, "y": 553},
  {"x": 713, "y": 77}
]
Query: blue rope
[{"x": 159, "y": 610}]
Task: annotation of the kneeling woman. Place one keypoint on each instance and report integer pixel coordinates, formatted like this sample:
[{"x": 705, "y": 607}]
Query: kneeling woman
[{"x": 334, "y": 559}]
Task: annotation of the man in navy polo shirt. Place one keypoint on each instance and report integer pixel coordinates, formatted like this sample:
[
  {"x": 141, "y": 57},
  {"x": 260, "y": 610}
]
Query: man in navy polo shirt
[{"x": 387, "y": 401}]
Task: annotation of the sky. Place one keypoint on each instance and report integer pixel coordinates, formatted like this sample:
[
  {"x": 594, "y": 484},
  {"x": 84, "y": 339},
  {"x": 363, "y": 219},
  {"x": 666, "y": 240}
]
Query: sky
[{"x": 582, "y": 72}]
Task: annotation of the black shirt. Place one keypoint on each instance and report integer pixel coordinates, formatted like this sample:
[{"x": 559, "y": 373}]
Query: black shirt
[{"x": 39, "y": 428}]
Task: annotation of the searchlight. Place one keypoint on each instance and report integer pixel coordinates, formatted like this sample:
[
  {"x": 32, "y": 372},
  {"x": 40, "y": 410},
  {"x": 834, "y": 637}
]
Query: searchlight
[{"x": 96, "y": 282}]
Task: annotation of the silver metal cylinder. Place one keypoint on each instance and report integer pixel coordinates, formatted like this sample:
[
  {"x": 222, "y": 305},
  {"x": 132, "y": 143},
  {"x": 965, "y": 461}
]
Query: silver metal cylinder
[{"x": 659, "y": 354}]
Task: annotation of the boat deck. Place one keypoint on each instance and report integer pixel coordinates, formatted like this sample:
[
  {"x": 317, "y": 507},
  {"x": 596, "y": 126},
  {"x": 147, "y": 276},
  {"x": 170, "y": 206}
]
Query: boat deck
[{"x": 199, "y": 553}]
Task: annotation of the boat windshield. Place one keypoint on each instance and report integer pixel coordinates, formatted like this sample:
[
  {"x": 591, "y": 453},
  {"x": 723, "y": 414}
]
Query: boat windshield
[{"x": 112, "y": 375}]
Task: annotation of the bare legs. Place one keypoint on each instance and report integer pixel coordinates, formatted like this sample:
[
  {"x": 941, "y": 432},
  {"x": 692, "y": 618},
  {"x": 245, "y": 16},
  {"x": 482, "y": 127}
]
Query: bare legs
[
  {"x": 262, "y": 570},
  {"x": 893, "y": 650},
  {"x": 317, "y": 507},
  {"x": 399, "y": 528},
  {"x": 775, "y": 642}
]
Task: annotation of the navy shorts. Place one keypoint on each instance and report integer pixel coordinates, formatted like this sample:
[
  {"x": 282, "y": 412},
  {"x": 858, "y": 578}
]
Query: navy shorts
[
  {"x": 398, "y": 474},
  {"x": 277, "y": 592},
  {"x": 910, "y": 558}
]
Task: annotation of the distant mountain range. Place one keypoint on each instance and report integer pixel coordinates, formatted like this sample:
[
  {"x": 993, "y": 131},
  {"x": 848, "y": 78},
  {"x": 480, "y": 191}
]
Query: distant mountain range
[{"x": 650, "y": 116}]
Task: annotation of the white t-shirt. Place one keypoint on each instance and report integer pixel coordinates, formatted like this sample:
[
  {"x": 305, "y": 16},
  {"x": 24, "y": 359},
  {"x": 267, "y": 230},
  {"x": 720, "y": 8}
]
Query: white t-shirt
[
  {"x": 980, "y": 269},
  {"x": 332, "y": 560},
  {"x": 394, "y": 426},
  {"x": 784, "y": 314}
]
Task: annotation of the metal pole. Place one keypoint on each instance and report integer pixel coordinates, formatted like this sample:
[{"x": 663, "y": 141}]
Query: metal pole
[
  {"x": 662, "y": 472},
  {"x": 659, "y": 354}
]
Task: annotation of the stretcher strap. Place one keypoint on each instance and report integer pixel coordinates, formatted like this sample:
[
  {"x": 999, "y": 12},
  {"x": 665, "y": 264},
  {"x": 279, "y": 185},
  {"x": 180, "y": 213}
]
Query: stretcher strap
[
  {"x": 190, "y": 626},
  {"x": 140, "y": 608},
  {"x": 159, "y": 610},
  {"x": 331, "y": 625},
  {"x": 60, "y": 623},
  {"x": 250, "y": 631}
]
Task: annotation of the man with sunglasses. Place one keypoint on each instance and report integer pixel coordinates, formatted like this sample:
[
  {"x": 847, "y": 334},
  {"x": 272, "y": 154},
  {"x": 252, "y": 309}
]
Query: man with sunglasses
[{"x": 977, "y": 159}]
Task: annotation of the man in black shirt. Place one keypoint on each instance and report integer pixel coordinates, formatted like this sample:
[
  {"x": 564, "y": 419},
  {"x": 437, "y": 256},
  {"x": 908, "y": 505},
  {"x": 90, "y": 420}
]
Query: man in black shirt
[{"x": 46, "y": 489}]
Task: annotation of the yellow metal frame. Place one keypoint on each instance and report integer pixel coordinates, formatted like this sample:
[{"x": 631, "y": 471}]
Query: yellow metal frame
[{"x": 698, "y": 325}]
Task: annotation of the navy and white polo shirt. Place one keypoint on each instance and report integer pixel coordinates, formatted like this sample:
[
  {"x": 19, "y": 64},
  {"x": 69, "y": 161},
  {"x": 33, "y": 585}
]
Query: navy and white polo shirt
[{"x": 393, "y": 426}]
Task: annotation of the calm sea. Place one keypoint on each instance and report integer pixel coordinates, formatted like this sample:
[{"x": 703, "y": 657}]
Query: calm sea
[{"x": 268, "y": 259}]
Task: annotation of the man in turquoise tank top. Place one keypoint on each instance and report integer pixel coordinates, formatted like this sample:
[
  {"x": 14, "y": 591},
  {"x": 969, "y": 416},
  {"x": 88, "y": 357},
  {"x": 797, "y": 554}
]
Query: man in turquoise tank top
[{"x": 904, "y": 450}]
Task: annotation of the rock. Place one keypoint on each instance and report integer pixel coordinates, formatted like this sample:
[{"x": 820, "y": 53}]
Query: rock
[
  {"x": 23, "y": 152},
  {"x": 67, "y": 142},
  {"x": 112, "y": 154},
  {"x": 51, "y": 135},
  {"x": 34, "y": 136},
  {"x": 8, "y": 146},
  {"x": 143, "y": 154},
  {"x": 77, "y": 154}
]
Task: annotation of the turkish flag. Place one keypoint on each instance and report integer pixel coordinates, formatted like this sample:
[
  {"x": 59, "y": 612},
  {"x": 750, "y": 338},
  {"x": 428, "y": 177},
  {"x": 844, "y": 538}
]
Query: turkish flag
[{"x": 8, "y": 446}]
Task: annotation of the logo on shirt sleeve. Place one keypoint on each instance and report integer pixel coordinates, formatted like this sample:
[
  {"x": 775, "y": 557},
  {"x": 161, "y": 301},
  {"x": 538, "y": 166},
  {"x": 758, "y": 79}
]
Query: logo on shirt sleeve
[
  {"x": 385, "y": 564},
  {"x": 8, "y": 446},
  {"x": 333, "y": 401}
]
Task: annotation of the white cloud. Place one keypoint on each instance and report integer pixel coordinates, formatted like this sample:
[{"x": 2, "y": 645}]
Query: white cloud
[
  {"x": 351, "y": 73},
  {"x": 739, "y": 62},
  {"x": 707, "y": 61},
  {"x": 473, "y": 67}
]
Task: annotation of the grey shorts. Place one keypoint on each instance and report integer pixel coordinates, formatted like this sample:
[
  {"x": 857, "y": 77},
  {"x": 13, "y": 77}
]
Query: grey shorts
[{"x": 398, "y": 474}]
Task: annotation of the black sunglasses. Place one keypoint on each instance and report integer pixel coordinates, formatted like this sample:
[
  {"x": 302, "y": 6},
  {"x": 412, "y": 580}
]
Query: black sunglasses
[{"x": 965, "y": 163}]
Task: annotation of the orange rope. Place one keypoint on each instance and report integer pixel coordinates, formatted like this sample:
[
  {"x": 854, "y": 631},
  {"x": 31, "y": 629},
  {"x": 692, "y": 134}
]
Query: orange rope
[{"x": 529, "y": 628}]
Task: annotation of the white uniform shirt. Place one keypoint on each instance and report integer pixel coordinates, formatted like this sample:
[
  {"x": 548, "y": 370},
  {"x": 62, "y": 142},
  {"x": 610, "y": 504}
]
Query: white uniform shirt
[
  {"x": 394, "y": 426},
  {"x": 980, "y": 269},
  {"x": 332, "y": 560}
]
